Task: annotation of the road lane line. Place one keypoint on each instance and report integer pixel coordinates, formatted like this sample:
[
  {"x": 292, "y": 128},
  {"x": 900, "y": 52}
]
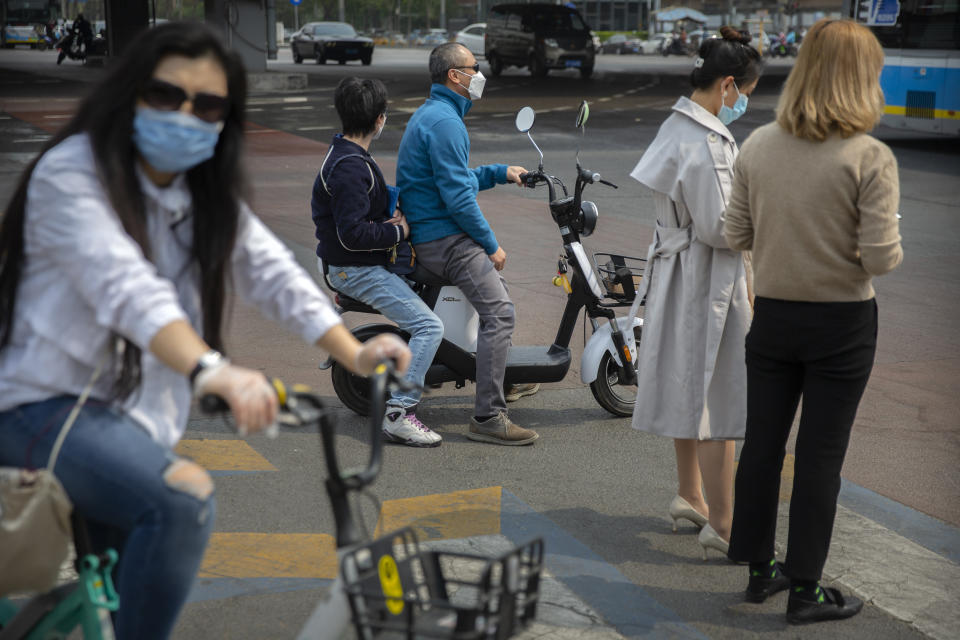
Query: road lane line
[
  {"x": 270, "y": 555},
  {"x": 443, "y": 516},
  {"x": 224, "y": 455}
]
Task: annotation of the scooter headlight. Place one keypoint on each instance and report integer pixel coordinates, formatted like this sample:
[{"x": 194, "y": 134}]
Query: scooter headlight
[{"x": 587, "y": 220}]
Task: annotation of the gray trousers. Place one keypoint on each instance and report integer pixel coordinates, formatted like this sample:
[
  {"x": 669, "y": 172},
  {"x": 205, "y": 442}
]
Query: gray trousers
[{"x": 464, "y": 263}]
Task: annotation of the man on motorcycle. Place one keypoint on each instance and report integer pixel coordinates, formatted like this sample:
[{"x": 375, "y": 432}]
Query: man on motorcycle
[
  {"x": 438, "y": 194},
  {"x": 82, "y": 27}
]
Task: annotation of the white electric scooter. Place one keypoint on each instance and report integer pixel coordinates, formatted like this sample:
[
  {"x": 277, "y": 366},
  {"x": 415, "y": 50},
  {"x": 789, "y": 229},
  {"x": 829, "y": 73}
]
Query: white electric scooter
[{"x": 608, "y": 363}]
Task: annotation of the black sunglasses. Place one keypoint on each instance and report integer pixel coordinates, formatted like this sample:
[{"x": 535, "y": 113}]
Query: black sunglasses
[
  {"x": 168, "y": 97},
  {"x": 475, "y": 67}
]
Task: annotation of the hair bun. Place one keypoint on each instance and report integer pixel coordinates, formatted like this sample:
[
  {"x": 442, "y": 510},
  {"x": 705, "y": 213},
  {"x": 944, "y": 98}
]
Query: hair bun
[{"x": 734, "y": 35}]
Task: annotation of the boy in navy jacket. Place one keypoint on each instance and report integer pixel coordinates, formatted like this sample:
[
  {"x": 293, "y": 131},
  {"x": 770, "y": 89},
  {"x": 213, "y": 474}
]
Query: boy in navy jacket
[{"x": 356, "y": 235}]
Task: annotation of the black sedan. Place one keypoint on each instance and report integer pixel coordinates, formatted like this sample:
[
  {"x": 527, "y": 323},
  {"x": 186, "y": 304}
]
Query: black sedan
[
  {"x": 324, "y": 41},
  {"x": 620, "y": 44}
]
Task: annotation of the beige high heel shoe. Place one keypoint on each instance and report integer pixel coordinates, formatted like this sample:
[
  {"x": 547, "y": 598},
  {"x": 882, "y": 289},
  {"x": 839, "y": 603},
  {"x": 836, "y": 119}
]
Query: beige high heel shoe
[
  {"x": 709, "y": 538},
  {"x": 680, "y": 508}
]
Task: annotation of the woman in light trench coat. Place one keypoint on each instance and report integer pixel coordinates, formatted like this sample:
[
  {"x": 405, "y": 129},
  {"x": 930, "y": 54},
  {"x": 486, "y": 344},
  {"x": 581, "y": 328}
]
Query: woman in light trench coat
[{"x": 692, "y": 382}]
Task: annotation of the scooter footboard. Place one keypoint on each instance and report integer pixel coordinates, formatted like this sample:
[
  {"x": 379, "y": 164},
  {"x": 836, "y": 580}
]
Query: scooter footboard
[{"x": 537, "y": 364}]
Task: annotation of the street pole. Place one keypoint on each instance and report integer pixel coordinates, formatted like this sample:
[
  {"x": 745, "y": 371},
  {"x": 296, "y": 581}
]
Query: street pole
[
  {"x": 271, "y": 29},
  {"x": 443, "y": 14},
  {"x": 343, "y": 12},
  {"x": 296, "y": 17}
]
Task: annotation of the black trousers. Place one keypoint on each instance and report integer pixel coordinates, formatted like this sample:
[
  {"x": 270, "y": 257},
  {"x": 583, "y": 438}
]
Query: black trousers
[{"x": 822, "y": 352}]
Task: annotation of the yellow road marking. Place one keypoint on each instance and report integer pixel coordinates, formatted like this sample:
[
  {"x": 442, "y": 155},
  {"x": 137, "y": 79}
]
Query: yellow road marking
[
  {"x": 270, "y": 555},
  {"x": 786, "y": 478},
  {"x": 444, "y": 516},
  {"x": 224, "y": 455}
]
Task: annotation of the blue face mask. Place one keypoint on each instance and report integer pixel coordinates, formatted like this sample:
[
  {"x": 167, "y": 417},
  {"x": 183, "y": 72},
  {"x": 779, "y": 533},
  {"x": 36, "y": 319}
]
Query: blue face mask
[
  {"x": 174, "y": 141},
  {"x": 729, "y": 114}
]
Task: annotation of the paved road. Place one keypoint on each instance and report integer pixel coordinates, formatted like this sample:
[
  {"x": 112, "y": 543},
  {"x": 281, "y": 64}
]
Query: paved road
[{"x": 596, "y": 490}]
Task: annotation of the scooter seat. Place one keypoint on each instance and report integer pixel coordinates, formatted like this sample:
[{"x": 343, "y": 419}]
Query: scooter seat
[{"x": 424, "y": 276}]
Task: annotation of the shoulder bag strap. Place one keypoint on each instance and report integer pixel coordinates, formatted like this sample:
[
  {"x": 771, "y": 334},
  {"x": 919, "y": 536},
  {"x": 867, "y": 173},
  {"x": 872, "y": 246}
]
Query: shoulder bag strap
[{"x": 68, "y": 423}]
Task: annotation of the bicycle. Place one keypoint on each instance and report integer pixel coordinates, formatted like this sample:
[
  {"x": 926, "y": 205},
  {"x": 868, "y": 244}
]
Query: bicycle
[
  {"x": 85, "y": 603},
  {"x": 390, "y": 586}
]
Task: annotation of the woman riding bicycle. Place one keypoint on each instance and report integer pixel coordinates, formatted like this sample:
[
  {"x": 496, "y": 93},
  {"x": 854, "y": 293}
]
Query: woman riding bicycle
[{"x": 116, "y": 250}]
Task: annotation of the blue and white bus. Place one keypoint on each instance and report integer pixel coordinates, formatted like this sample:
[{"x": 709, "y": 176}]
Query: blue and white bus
[
  {"x": 22, "y": 21},
  {"x": 921, "y": 73}
]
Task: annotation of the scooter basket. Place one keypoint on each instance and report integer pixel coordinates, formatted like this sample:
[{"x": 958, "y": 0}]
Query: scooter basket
[
  {"x": 397, "y": 590},
  {"x": 617, "y": 271}
]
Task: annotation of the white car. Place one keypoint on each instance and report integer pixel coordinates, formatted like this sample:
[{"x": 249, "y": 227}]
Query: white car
[
  {"x": 471, "y": 37},
  {"x": 652, "y": 45}
]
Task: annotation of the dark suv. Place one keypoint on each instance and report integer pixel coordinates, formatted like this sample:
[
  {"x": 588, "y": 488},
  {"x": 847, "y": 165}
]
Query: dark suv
[{"x": 538, "y": 36}]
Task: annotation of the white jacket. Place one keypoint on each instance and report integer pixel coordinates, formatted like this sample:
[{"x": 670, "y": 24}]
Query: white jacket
[
  {"x": 85, "y": 277},
  {"x": 692, "y": 375}
]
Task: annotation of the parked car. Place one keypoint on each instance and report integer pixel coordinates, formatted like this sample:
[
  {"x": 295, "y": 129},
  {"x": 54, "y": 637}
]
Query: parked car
[
  {"x": 653, "y": 44},
  {"x": 471, "y": 37},
  {"x": 324, "y": 41},
  {"x": 620, "y": 44},
  {"x": 433, "y": 40},
  {"x": 540, "y": 37}
]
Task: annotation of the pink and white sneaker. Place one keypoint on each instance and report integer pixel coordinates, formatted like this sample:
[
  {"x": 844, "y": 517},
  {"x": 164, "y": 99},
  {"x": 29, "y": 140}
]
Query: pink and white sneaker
[{"x": 404, "y": 428}]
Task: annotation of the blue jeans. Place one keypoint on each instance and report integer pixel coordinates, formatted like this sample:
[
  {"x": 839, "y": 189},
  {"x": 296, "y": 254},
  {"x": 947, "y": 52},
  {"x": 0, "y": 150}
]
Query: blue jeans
[
  {"x": 113, "y": 472},
  {"x": 389, "y": 294}
]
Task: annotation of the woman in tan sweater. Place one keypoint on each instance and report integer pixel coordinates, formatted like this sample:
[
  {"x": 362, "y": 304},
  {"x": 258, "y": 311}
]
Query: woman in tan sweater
[{"x": 815, "y": 199}]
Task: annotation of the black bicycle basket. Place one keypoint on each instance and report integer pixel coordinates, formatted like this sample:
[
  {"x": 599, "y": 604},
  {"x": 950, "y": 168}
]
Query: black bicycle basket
[
  {"x": 397, "y": 590},
  {"x": 620, "y": 275}
]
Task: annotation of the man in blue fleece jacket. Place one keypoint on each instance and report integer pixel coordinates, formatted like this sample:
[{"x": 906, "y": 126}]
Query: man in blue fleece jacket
[{"x": 438, "y": 194}]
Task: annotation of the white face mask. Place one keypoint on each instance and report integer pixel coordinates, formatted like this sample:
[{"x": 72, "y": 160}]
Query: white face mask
[
  {"x": 379, "y": 132},
  {"x": 477, "y": 82}
]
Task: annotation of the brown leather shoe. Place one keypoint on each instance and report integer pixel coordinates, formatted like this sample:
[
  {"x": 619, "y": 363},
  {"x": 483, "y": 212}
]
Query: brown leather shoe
[
  {"x": 500, "y": 430},
  {"x": 516, "y": 391}
]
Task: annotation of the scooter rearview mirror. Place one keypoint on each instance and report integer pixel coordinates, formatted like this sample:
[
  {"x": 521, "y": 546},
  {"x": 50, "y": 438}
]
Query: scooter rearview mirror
[
  {"x": 582, "y": 114},
  {"x": 525, "y": 118}
]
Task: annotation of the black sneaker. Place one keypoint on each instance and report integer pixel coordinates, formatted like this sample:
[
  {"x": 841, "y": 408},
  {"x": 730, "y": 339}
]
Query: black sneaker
[
  {"x": 829, "y": 604},
  {"x": 764, "y": 584}
]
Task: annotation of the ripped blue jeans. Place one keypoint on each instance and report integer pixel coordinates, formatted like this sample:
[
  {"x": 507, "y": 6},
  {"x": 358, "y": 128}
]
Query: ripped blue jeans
[{"x": 155, "y": 509}]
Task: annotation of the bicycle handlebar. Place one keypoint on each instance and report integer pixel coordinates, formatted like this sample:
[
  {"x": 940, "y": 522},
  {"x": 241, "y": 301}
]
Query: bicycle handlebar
[{"x": 301, "y": 407}]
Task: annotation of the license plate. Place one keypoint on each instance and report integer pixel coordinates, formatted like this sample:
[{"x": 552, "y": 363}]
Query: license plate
[
  {"x": 351, "y": 52},
  {"x": 573, "y": 63}
]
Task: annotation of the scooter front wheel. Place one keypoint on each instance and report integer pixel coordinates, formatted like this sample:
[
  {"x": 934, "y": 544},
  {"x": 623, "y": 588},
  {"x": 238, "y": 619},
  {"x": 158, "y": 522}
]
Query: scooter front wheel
[
  {"x": 616, "y": 398},
  {"x": 353, "y": 390}
]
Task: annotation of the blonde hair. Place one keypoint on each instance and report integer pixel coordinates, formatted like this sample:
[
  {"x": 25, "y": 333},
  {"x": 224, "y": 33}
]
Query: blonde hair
[{"x": 835, "y": 84}]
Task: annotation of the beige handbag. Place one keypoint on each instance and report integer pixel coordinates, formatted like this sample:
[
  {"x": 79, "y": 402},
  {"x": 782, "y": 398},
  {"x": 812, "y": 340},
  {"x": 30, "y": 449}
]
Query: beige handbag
[{"x": 35, "y": 530}]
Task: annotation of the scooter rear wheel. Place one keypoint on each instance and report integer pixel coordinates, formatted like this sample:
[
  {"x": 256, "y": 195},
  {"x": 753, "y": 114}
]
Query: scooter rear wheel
[
  {"x": 616, "y": 398},
  {"x": 353, "y": 390}
]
